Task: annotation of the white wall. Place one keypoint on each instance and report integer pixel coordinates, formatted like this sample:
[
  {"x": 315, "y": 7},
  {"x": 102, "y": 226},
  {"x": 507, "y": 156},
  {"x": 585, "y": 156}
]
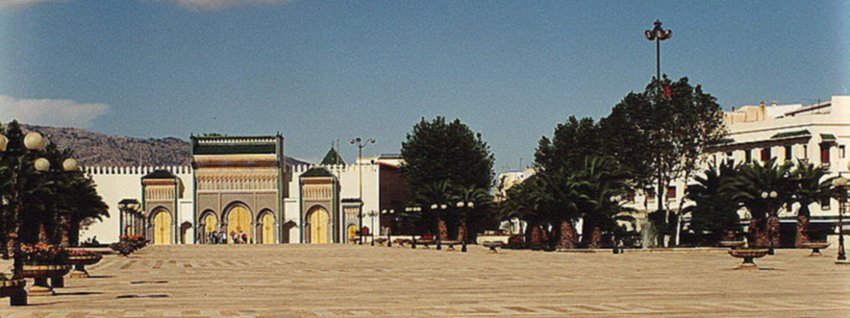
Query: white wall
[{"x": 117, "y": 183}]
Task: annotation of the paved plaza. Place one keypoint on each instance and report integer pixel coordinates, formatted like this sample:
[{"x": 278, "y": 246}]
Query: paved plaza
[{"x": 363, "y": 281}]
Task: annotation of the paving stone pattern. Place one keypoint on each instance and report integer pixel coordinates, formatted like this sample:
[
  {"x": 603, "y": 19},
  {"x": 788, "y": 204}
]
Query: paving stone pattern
[{"x": 364, "y": 281}]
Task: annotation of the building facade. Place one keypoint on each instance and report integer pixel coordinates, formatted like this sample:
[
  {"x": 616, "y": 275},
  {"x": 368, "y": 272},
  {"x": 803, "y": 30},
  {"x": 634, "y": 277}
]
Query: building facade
[{"x": 240, "y": 190}]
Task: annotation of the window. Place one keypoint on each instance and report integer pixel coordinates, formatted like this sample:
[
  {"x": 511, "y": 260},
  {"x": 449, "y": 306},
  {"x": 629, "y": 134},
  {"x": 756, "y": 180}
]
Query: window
[
  {"x": 788, "y": 153},
  {"x": 671, "y": 192},
  {"x": 805, "y": 152},
  {"x": 765, "y": 154},
  {"x": 824, "y": 153},
  {"x": 824, "y": 204},
  {"x": 748, "y": 156},
  {"x": 841, "y": 152},
  {"x": 729, "y": 155}
]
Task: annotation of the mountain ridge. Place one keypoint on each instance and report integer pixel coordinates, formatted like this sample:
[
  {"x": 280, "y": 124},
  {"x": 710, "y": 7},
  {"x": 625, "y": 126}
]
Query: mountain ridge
[{"x": 99, "y": 149}]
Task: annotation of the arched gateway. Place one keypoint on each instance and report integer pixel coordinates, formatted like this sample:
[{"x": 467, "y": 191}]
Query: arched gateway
[
  {"x": 238, "y": 223},
  {"x": 318, "y": 220},
  {"x": 162, "y": 223}
]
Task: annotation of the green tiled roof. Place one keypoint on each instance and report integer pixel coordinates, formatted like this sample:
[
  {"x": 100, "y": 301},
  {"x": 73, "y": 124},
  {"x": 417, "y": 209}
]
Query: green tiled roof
[
  {"x": 332, "y": 158},
  {"x": 789, "y": 134},
  {"x": 234, "y": 149},
  {"x": 226, "y": 145},
  {"x": 317, "y": 172},
  {"x": 827, "y": 137},
  {"x": 160, "y": 174}
]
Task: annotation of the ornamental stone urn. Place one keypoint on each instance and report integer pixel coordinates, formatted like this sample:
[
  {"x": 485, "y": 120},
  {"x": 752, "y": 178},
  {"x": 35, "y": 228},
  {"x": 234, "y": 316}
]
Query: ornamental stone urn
[
  {"x": 748, "y": 254},
  {"x": 40, "y": 274},
  {"x": 80, "y": 261},
  {"x": 815, "y": 246}
]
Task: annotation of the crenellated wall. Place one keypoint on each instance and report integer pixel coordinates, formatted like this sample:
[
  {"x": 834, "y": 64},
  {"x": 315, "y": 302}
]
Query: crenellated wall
[{"x": 116, "y": 183}]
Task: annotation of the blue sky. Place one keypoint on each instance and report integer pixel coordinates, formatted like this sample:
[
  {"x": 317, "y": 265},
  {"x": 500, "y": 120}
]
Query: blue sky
[{"x": 318, "y": 71}]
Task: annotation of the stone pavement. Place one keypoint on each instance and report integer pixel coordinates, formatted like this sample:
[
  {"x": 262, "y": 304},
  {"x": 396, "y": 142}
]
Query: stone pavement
[{"x": 363, "y": 281}]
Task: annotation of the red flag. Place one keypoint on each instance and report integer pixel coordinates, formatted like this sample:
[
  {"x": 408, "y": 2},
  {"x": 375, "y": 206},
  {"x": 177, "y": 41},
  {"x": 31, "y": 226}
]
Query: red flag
[{"x": 667, "y": 91}]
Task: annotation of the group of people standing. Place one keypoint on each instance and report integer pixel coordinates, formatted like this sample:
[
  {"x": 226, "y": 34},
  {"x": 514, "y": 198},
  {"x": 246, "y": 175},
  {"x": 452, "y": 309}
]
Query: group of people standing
[{"x": 221, "y": 237}]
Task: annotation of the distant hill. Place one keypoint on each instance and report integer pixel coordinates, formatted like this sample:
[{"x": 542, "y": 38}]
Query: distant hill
[{"x": 96, "y": 149}]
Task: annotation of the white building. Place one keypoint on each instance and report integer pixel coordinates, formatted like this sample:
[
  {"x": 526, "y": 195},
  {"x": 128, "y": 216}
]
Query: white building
[{"x": 818, "y": 134}]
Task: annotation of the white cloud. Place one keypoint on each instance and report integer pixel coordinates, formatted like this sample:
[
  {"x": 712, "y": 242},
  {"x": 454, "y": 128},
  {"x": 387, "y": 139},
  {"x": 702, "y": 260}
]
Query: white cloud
[
  {"x": 212, "y": 5},
  {"x": 50, "y": 112},
  {"x": 22, "y": 3}
]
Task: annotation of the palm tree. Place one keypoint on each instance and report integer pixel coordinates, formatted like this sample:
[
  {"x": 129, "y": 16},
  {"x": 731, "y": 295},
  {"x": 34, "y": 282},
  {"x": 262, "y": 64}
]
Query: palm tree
[
  {"x": 525, "y": 202},
  {"x": 480, "y": 199},
  {"x": 714, "y": 212},
  {"x": 808, "y": 189},
  {"x": 84, "y": 206},
  {"x": 436, "y": 193},
  {"x": 762, "y": 189},
  {"x": 560, "y": 197},
  {"x": 603, "y": 185}
]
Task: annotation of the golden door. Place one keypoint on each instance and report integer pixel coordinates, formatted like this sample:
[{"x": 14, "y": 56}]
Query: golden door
[
  {"x": 319, "y": 226},
  {"x": 210, "y": 224},
  {"x": 268, "y": 229},
  {"x": 352, "y": 233},
  {"x": 238, "y": 220},
  {"x": 162, "y": 228}
]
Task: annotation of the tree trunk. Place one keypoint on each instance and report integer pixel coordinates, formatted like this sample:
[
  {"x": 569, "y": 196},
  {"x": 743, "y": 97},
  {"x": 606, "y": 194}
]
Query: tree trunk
[
  {"x": 443, "y": 232},
  {"x": 596, "y": 238},
  {"x": 774, "y": 226},
  {"x": 64, "y": 230},
  {"x": 568, "y": 235},
  {"x": 461, "y": 231},
  {"x": 42, "y": 234},
  {"x": 802, "y": 230},
  {"x": 758, "y": 236},
  {"x": 536, "y": 236}
]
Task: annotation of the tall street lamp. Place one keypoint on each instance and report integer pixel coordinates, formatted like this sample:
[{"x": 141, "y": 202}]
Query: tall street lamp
[
  {"x": 36, "y": 143},
  {"x": 658, "y": 34},
  {"x": 360, "y": 143},
  {"x": 840, "y": 185}
]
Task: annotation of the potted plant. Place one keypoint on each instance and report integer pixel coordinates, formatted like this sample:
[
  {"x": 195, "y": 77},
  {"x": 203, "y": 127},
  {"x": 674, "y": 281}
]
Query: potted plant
[{"x": 43, "y": 261}]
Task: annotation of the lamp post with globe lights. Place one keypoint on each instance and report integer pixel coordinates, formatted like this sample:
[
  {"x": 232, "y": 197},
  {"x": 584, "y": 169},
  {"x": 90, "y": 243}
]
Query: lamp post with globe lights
[
  {"x": 464, "y": 205},
  {"x": 372, "y": 215},
  {"x": 413, "y": 210},
  {"x": 840, "y": 188},
  {"x": 390, "y": 213},
  {"x": 360, "y": 143},
  {"x": 770, "y": 197},
  {"x": 658, "y": 34},
  {"x": 33, "y": 145}
]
